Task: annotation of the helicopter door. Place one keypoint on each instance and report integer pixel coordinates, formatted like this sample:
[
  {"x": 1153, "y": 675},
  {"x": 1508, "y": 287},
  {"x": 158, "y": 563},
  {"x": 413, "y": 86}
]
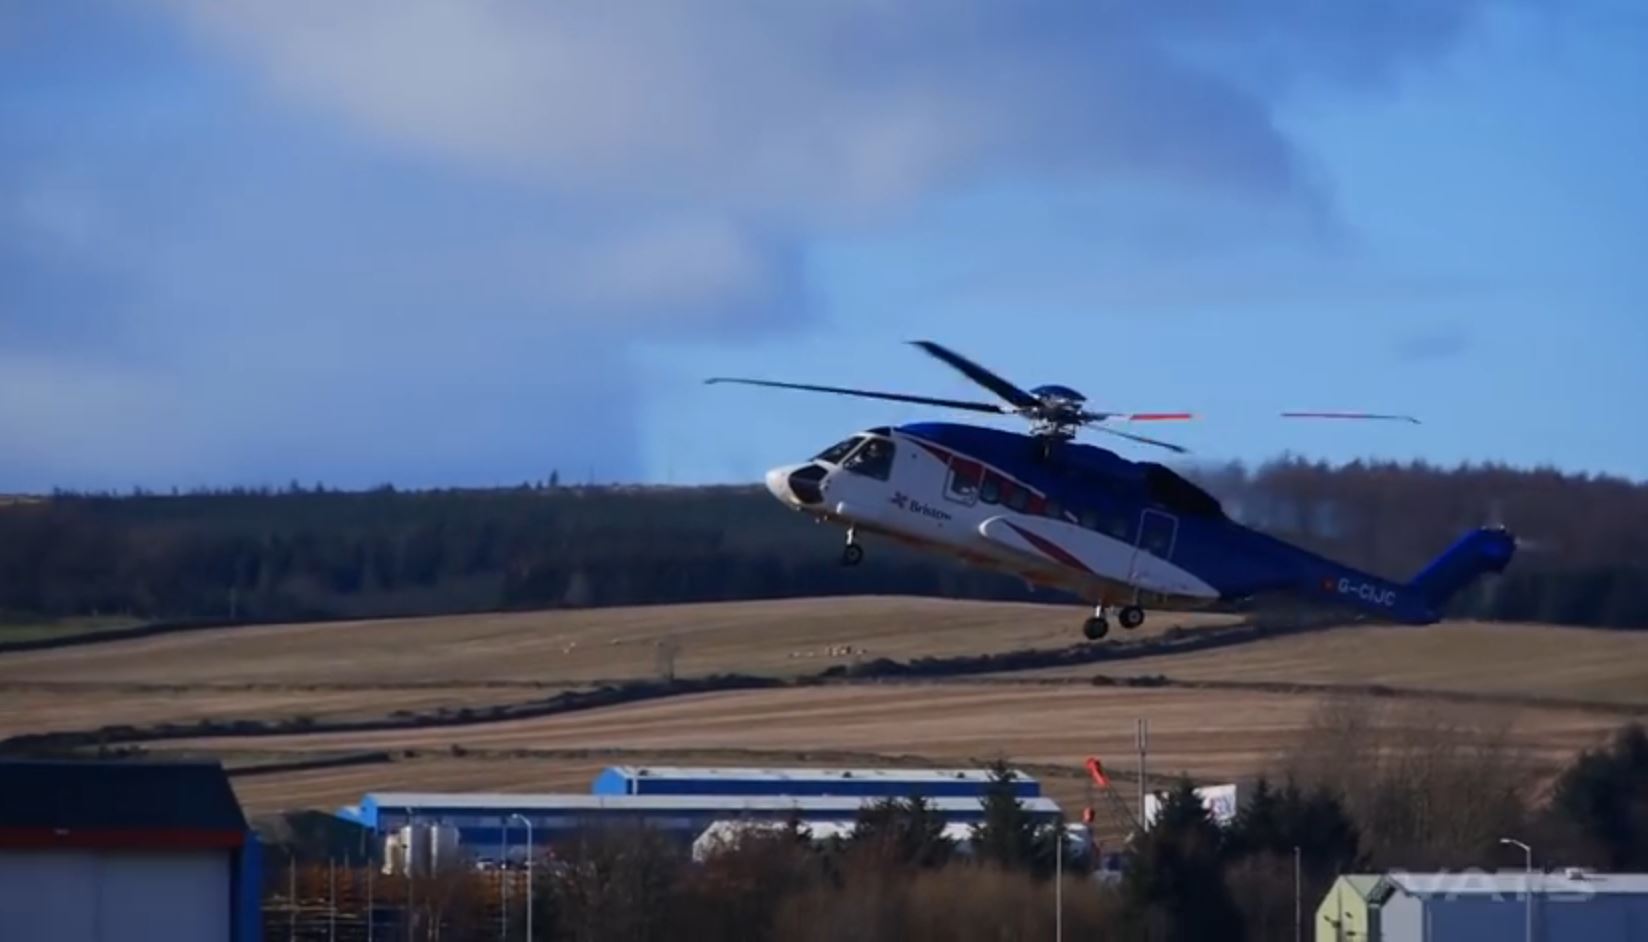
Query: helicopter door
[{"x": 1157, "y": 533}]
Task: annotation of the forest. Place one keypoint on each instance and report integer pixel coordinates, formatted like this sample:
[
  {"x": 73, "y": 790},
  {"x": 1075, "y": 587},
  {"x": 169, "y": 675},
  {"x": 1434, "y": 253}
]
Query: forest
[{"x": 307, "y": 552}]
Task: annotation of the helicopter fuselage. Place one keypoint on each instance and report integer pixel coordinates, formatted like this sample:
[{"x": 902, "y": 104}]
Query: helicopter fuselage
[{"x": 1114, "y": 532}]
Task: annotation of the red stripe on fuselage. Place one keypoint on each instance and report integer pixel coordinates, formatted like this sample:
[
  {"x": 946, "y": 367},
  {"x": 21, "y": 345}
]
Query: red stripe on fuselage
[{"x": 1050, "y": 548}]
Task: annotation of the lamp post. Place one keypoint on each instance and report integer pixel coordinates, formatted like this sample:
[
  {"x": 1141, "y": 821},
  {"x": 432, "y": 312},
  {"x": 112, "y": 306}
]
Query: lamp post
[
  {"x": 526, "y": 821},
  {"x": 503, "y": 881},
  {"x": 1298, "y": 909},
  {"x": 1527, "y": 886},
  {"x": 1058, "y": 881},
  {"x": 410, "y": 858}
]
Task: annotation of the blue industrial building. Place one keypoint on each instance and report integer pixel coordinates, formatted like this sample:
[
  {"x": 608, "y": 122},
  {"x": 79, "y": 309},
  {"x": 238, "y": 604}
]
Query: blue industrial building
[
  {"x": 683, "y": 802},
  {"x": 869, "y": 783},
  {"x": 501, "y": 821},
  {"x": 1469, "y": 906}
]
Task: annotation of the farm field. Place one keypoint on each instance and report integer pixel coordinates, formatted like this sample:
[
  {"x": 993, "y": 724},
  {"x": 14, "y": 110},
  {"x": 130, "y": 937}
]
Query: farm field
[
  {"x": 1215, "y": 735},
  {"x": 44, "y": 707},
  {"x": 1470, "y": 657},
  {"x": 778, "y": 638},
  {"x": 1045, "y": 720},
  {"x": 373, "y": 668}
]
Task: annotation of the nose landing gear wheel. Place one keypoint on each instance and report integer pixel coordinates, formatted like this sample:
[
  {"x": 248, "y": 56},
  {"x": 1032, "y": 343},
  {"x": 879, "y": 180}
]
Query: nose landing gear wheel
[
  {"x": 852, "y": 554},
  {"x": 1131, "y": 617},
  {"x": 1095, "y": 628}
]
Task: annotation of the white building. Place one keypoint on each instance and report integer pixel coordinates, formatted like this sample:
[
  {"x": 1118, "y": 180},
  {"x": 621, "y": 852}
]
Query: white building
[{"x": 97, "y": 851}]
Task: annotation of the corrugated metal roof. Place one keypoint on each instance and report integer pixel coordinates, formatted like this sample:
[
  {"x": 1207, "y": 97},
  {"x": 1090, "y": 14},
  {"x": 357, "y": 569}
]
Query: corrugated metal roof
[
  {"x": 419, "y": 801},
  {"x": 724, "y": 773},
  {"x": 117, "y": 795},
  {"x": 1511, "y": 883}
]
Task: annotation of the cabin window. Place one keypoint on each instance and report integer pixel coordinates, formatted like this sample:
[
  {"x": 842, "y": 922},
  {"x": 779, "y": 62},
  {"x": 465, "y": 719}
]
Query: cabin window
[
  {"x": 874, "y": 459},
  {"x": 1053, "y": 509},
  {"x": 990, "y": 488},
  {"x": 838, "y": 451},
  {"x": 964, "y": 481},
  {"x": 1090, "y": 519},
  {"x": 1016, "y": 497}
]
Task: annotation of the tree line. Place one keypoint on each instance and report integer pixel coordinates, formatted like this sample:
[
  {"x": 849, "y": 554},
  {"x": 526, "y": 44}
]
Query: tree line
[{"x": 308, "y": 552}]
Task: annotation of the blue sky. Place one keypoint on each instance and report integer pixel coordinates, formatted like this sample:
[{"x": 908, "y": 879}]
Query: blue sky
[{"x": 450, "y": 243}]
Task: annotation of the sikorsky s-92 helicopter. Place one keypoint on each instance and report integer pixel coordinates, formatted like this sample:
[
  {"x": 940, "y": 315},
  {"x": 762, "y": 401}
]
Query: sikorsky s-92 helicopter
[{"x": 1123, "y": 535}]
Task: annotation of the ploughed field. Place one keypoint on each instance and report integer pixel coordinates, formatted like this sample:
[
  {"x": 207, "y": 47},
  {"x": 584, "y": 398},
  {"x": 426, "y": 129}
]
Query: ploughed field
[{"x": 1216, "y": 714}]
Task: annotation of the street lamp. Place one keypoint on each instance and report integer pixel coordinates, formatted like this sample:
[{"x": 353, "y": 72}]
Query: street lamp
[
  {"x": 1527, "y": 885},
  {"x": 1058, "y": 880},
  {"x": 526, "y": 821}
]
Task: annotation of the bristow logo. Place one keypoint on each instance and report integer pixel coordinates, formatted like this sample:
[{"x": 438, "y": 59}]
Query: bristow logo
[
  {"x": 903, "y": 502},
  {"x": 1368, "y": 592}
]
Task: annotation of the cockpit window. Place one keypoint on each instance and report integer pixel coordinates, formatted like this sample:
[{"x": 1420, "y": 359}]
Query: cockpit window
[
  {"x": 874, "y": 459},
  {"x": 838, "y": 451}
]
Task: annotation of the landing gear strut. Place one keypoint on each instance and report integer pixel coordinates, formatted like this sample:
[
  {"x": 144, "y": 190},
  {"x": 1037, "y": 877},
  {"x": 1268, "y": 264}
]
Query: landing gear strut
[
  {"x": 1096, "y": 627},
  {"x": 1131, "y": 617},
  {"x": 852, "y": 554}
]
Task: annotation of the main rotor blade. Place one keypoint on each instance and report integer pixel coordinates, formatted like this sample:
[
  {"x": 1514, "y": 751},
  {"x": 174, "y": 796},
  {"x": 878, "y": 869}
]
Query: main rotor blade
[
  {"x": 868, "y": 394},
  {"x": 980, "y": 375},
  {"x": 1140, "y": 438},
  {"x": 1090, "y": 417},
  {"x": 1376, "y": 416}
]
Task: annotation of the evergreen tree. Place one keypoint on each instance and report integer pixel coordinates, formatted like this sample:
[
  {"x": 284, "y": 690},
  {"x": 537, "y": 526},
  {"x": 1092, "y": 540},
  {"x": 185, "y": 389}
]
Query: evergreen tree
[
  {"x": 901, "y": 832},
  {"x": 1603, "y": 797},
  {"x": 1174, "y": 889},
  {"x": 1008, "y": 836}
]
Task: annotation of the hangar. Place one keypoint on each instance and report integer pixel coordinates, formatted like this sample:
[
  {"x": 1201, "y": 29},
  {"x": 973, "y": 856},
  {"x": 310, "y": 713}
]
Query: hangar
[{"x": 104, "y": 850}]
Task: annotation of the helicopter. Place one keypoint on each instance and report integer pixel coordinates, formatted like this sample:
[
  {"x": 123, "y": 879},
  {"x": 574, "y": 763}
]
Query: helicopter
[{"x": 1123, "y": 535}]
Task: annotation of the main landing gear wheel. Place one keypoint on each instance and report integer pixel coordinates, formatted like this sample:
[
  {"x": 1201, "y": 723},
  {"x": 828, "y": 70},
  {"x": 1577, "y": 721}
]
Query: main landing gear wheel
[
  {"x": 852, "y": 554},
  {"x": 1131, "y": 617},
  {"x": 1095, "y": 628}
]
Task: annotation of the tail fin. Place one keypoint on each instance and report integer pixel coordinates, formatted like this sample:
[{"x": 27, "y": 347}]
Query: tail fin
[{"x": 1475, "y": 553}]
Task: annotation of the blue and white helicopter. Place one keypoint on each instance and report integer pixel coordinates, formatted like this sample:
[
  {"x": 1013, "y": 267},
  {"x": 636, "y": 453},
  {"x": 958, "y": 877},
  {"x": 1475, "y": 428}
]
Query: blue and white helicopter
[{"x": 1123, "y": 535}]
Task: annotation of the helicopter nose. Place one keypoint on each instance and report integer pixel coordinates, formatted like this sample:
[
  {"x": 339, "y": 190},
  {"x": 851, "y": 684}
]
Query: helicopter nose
[
  {"x": 778, "y": 483},
  {"x": 797, "y": 485}
]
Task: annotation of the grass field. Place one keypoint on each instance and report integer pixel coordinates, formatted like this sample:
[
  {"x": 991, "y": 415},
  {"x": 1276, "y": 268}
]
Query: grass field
[
  {"x": 35, "y": 630},
  {"x": 1051, "y": 723}
]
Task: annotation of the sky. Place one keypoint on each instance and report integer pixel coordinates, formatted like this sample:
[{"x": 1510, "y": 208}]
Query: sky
[{"x": 451, "y": 243}]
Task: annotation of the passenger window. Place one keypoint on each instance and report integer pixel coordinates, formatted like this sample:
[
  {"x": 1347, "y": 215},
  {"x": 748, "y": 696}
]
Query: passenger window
[
  {"x": 964, "y": 481},
  {"x": 1017, "y": 498},
  {"x": 873, "y": 460},
  {"x": 1090, "y": 519},
  {"x": 990, "y": 489},
  {"x": 1052, "y": 509}
]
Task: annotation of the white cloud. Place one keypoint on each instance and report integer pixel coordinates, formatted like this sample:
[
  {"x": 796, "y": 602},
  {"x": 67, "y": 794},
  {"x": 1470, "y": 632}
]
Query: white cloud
[{"x": 811, "y": 108}]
